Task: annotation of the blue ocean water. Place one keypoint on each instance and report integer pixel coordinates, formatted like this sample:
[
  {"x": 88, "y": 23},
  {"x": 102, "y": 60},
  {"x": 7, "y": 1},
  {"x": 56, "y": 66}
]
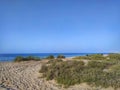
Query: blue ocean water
[{"x": 11, "y": 57}]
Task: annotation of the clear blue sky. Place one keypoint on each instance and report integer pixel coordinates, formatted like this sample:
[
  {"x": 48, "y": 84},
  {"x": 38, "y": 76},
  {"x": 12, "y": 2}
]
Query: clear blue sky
[{"x": 37, "y": 26}]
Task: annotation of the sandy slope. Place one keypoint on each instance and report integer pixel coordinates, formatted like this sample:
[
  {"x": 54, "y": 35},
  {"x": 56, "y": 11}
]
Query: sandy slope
[
  {"x": 25, "y": 76},
  {"x": 21, "y": 76}
]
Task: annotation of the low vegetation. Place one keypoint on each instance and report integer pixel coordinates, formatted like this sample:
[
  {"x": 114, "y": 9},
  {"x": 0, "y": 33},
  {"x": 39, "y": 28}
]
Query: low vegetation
[
  {"x": 91, "y": 57},
  {"x": 50, "y": 57},
  {"x": 54, "y": 61},
  {"x": 29, "y": 58},
  {"x": 97, "y": 72},
  {"x": 114, "y": 56},
  {"x": 60, "y": 56}
]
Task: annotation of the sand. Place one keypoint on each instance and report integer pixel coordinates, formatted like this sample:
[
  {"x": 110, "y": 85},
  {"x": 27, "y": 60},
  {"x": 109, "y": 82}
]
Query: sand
[
  {"x": 21, "y": 76},
  {"x": 26, "y": 76}
]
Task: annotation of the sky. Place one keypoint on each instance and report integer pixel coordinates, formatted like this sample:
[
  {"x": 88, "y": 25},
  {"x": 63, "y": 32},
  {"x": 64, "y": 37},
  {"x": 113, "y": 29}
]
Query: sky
[{"x": 50, "y": 26}]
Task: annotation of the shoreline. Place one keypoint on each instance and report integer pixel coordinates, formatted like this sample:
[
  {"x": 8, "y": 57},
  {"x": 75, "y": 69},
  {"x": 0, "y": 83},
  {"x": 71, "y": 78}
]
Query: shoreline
[{"x": 11, "y": 57}]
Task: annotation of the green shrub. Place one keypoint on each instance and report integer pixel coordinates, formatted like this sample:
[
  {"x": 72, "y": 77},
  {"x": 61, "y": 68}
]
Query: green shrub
[
  {"x": 114, "y": 56},
  {"x": 54, "y": 61},
  {"x": 18, "y": 58},
  {"x": 29, "y": 58},
  {"x": 44, "y": 68},
  {"x": 36, "y": 58},
  {"x": 115, "y": 67},
  {"x": 75, "y": 72},
  {"x": 50, "y": 57},
  {"x": 96, "y": 64},
  {"x": 91, "y": 57},
  {"x": 82, "y": 57},
  {"x": 96, "y": 57},
  {"x": 60, "y": 56}
]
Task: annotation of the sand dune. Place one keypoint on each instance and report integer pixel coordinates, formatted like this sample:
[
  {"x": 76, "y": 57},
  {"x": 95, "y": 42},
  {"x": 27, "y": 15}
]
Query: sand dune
[
  {"x": 25, "y": 76},
  {"x": 22, "y": 76}
]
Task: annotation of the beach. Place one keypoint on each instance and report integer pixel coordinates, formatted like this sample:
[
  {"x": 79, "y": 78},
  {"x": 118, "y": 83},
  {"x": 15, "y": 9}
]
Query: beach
[
  {"x": 25, "y": 76},
  {"x": 21, "y": 76}
]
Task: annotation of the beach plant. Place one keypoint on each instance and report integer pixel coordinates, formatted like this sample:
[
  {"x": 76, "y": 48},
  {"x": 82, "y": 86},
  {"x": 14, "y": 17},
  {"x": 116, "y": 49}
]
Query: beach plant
[
  {"x": 50, "y": 57},
  {"x": 114, "y": 56},
  {"x": 18, "y": 58},
  {"x": 82, "y": 57},
  {"x": 51, "y": 61},
  {"x": 61, "y": 56},
  {"x": 97, "y": 57},
  {"x": 91, "y": 57},
  {"x": 69, "y": 73},
  {"x": 29, "y": 58}
]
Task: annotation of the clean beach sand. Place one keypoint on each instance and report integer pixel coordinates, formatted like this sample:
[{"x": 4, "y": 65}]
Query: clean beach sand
[{"x": 22, "y": 76}]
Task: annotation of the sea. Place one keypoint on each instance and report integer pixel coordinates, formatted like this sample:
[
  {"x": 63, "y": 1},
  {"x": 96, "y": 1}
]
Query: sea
[{"x": 11, "y": 57}]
